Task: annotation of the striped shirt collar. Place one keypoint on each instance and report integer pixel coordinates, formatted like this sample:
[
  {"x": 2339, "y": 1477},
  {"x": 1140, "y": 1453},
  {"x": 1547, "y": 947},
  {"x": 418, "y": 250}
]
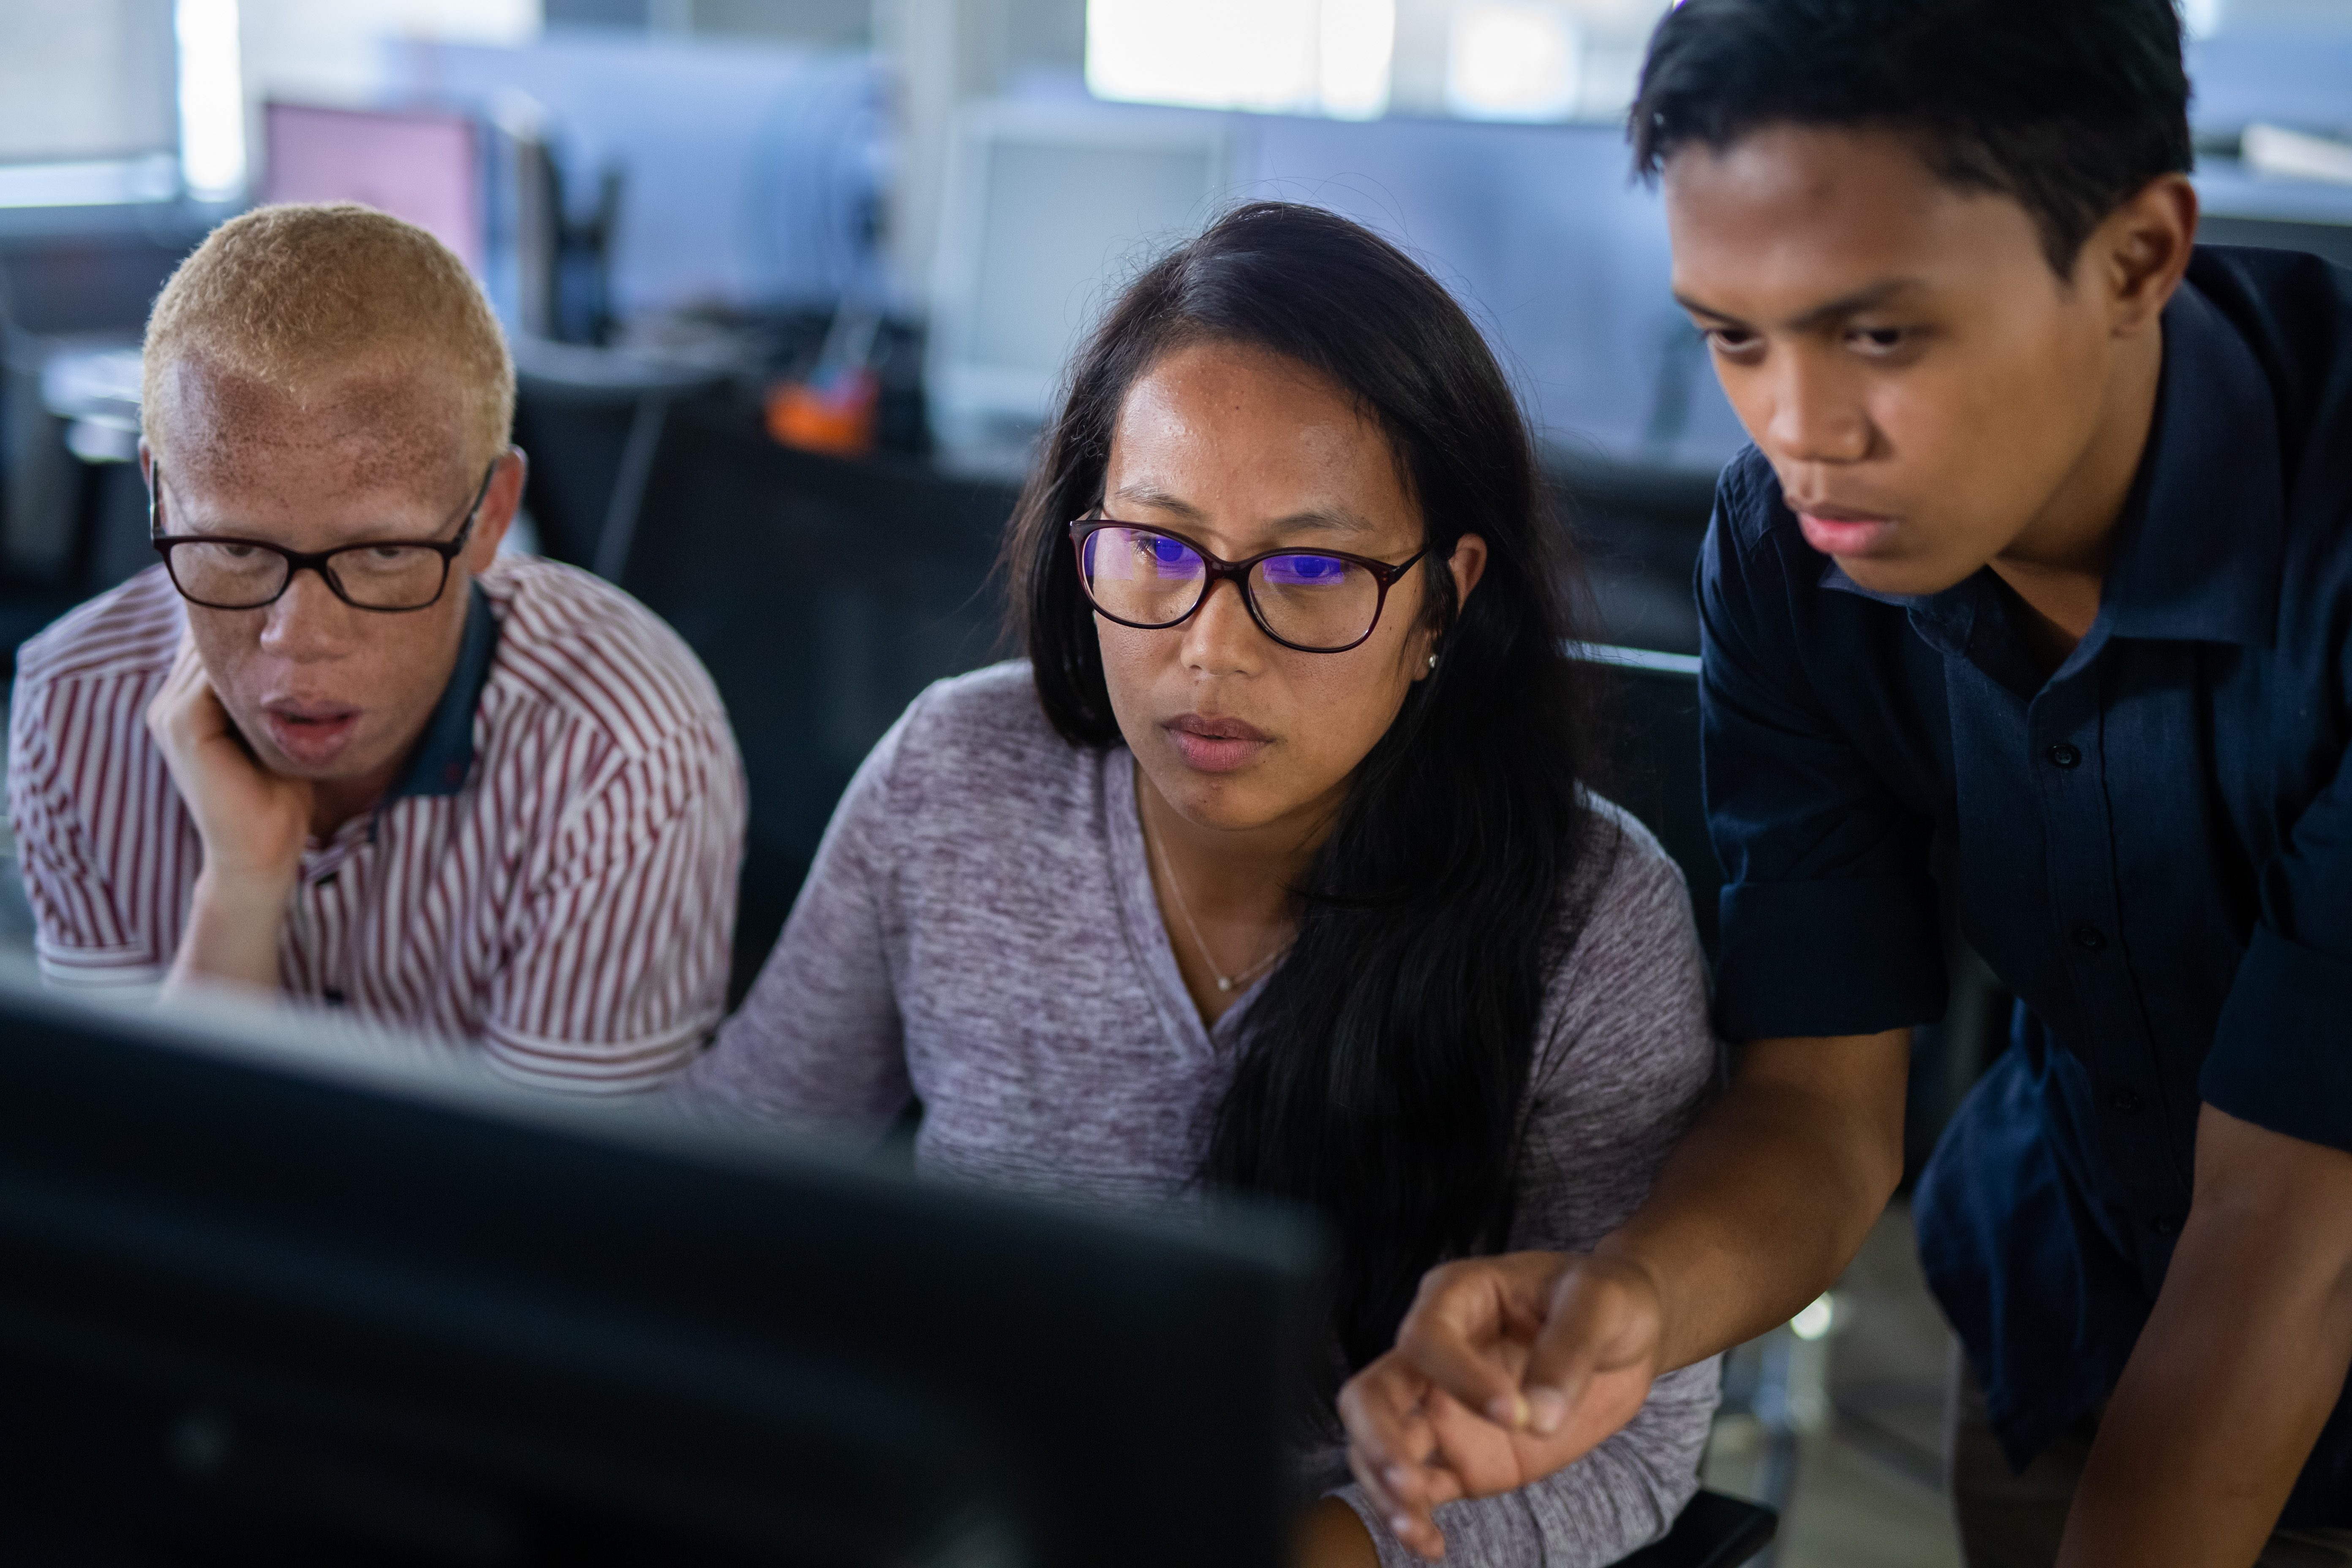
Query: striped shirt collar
[{"x": 444, "y": 756}]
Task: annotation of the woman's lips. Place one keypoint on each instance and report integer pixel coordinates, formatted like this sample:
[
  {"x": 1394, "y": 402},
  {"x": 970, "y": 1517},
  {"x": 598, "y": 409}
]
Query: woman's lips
[
  {"x": 310, "y": 735},
  {"x": 1844, "y": 535},
  {"x": 1216, "y": 745}
]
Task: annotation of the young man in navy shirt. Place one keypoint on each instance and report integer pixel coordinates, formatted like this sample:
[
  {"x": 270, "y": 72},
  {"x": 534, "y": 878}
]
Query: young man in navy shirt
[{"x": 2044, "y": 547}]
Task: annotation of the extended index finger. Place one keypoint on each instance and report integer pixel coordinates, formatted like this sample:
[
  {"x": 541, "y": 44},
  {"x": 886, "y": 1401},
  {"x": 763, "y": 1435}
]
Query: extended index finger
[
  {"x": 1392, "y": 1449},
  {"x": 1381, "y": 1407}
]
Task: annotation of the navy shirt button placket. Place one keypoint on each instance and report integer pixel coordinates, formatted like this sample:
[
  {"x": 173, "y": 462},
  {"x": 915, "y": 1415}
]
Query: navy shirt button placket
[
  {"x": 2090, "y": 938},
  {"x": 2063, "y": 755}
]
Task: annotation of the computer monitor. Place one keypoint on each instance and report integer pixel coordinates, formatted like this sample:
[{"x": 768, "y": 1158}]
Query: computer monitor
[
  {"x": 419, "y": 165},
  {"x": 267, "y": 1304},
  {"x": 1051, "y": 207}
]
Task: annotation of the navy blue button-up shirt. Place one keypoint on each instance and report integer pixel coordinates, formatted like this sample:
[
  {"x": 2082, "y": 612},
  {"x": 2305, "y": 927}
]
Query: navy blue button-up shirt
[{"x": 2154, "y": 843}]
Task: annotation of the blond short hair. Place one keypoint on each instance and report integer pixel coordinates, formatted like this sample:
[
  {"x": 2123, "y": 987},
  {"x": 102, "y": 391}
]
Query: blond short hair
[{"x": 295, "y": 296}]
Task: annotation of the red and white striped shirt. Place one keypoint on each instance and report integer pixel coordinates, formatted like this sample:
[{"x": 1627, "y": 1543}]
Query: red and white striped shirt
[{"x": 566, "y": 895}]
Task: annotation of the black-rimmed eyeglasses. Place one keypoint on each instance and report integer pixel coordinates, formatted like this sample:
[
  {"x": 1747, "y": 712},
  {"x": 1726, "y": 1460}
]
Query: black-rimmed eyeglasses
[
  {"x": 1315, "y": 601},
  {"x": 230, "y": 571}
]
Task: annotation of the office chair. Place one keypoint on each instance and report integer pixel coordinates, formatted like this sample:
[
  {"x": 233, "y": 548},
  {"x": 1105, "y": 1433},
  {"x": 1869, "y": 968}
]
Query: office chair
[
  {"x": 591, "y": 419},
  {"x": 1649, "y": 760},
  {"x": 1712, "y": 1531},
  {"x": 822, "y": 595},
  {"x": 68, "y": 528}
]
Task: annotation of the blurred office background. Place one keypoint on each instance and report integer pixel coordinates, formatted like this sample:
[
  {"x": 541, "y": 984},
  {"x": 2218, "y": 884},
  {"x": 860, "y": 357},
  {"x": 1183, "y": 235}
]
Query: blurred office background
[{"x": 790, "y": 283}]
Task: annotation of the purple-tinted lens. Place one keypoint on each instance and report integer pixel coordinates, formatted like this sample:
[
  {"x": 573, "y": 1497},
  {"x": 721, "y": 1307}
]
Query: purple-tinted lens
[
  {"x": 1305, "y": 572},
  {"x": 1171, "y": 558},
  {"x": 1315, "y": 601},
  {"x": 1142, "y": 577}
]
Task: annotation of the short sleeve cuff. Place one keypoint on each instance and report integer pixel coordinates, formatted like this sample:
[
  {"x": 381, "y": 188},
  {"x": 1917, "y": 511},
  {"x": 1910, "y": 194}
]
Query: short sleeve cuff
[
  {"x": 2280, "y": 1057},
  {"x": 619, "y": 1067},
  {"x": 1843, "y": 956},
  {"x": 127, "y": 972}
]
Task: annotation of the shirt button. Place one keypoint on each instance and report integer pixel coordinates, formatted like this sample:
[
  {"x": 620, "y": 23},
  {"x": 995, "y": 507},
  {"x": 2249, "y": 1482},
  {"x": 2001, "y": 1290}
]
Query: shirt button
[
  {"x": 2163, "y": 1226},
  {"x": 2090, "y": 938},
  {"x": 2126, "y": 1102},
  {"x": 2063, "y": 755}
]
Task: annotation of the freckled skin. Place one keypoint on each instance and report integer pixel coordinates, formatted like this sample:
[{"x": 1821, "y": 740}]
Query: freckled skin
[
  {"x": 391, "y": 426},
  {"x": 375, "y": 454}
]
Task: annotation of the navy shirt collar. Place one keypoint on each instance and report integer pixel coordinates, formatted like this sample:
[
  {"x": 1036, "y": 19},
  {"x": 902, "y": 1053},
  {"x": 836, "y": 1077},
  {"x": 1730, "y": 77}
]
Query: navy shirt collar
[
  {"x": 2200, "y": 544},
  {"x": 2198, "y": 554},
  {"x": 445, "y": 755}
]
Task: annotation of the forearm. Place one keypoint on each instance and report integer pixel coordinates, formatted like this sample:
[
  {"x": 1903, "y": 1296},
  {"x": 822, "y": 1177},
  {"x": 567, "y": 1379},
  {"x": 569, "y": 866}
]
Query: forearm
[
  {"x": 1759, "y": 1207},
  {"x": 2240, "y": 1364},
  {"x": 1616, "y": 1499},
  {"x": 232, "y": 935},
  {"x": 1769, "y": 1195}
]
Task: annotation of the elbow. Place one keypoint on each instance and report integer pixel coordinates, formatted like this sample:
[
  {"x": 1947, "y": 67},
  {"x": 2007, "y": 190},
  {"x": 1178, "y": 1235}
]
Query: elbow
[
  {"x": 2274, "y": 1212},
  {"x": 1876, "y": 1168},
  {"x": 1886, "y": 1171},
  {"x": 1873, "y": 1173}
]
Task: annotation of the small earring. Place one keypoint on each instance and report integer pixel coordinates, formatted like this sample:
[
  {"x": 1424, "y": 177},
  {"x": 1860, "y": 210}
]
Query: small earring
[{"x": 1432, "y": 661}]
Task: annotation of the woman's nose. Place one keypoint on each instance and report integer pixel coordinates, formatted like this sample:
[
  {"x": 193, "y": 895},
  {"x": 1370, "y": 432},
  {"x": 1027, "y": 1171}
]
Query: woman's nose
[{"x": 1221, "y": 638}]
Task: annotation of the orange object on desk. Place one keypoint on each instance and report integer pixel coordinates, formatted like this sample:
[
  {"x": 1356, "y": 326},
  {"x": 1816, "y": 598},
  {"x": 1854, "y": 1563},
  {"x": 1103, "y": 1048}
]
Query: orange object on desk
[{"x": 833, "y": 415}]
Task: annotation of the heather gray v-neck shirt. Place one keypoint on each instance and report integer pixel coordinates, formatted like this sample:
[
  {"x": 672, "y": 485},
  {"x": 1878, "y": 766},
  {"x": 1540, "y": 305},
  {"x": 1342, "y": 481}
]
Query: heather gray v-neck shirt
[{"x": 980, "y": 930}]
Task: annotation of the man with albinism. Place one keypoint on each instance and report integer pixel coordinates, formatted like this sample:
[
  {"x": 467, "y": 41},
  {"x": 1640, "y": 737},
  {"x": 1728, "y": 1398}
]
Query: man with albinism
[
  {"x": 332, "y": 745},
  {"x": 2043, "y": 548}
]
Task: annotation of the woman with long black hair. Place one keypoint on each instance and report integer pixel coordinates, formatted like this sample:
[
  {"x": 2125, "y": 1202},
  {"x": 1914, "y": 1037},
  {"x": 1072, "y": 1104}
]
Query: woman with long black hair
[{"x": 1271, "y": 867}]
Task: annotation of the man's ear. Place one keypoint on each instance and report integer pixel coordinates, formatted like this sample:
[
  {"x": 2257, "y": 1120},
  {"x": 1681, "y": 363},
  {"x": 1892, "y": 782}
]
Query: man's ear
[
  {"x": 2141, "y": 252},
  {"x": 146, "y": 463},
  {"x": 499, "y": 504}
]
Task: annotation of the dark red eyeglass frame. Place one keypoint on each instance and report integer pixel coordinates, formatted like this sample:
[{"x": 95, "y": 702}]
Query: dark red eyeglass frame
[
  {"x": 1217, "y": 569},
  {"x": 318, "y": 560}
]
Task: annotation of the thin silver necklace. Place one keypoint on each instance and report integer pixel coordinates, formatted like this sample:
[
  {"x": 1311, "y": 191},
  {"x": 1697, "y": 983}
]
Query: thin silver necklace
[{"x": 1225, "y": 981}]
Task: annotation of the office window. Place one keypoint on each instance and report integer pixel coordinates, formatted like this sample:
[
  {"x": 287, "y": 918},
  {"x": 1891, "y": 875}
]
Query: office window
[
  {"x": 118, "y": 100},
  {"x": 84, "y": 80},
  {"x": 1513, "y": 59},
  {"x": 1331, "y": 57},
  {"x": 1478, "y": 60}
]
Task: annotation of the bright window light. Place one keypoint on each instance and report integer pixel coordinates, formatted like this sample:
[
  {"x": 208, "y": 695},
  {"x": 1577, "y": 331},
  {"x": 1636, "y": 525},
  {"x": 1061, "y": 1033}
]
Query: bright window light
[
  {"x": 2286, "y": 155},
  {"x": 1513, "y": 59},
  {"x": 103, "y": 182},
  {"x": 1357, "y": 39},
  {"x": 211, "y": 99},
  {"x": 1328, "y": 57}
]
